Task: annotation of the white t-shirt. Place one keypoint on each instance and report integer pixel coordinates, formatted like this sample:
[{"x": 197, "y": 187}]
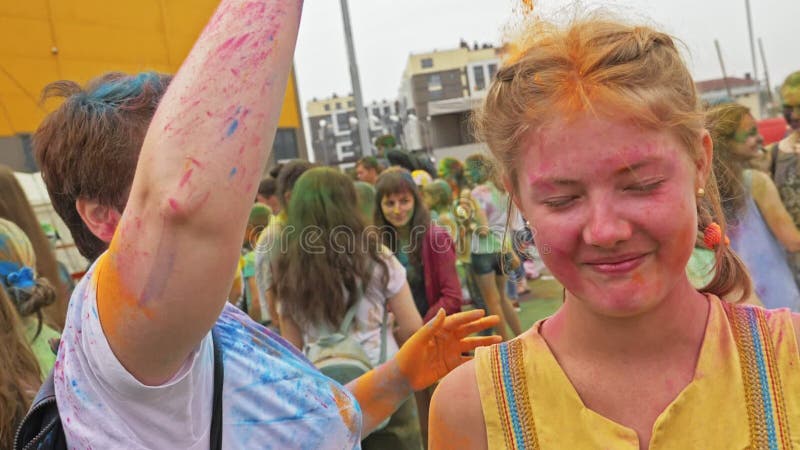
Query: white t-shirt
[
  {"x": 369, "y": 315},
  {"x": 272, "y": 396}
]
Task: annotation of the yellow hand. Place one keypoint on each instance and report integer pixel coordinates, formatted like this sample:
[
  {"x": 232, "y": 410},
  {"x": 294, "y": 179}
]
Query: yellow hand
[{"x": 438, "y": 347}]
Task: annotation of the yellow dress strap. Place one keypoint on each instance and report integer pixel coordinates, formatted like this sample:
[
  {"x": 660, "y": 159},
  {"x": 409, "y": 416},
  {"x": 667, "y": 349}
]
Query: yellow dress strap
[
  {"x": 764, "y": 391},
  {"x": 507, "y": 409}
]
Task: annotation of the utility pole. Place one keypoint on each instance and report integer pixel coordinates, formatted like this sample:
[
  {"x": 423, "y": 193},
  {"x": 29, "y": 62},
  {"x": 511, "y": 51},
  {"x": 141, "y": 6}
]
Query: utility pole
[
  {"x": 363, "y": 124},
  {"x": 766, "y": 72},
  {"x": 722, "y": 66},
  {"x": 752, "y": 41}
]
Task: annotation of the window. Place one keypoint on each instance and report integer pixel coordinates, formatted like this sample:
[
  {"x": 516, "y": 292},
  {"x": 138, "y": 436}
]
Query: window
[
  {"x": 434, "y": 82},
  {"x": 349, "y": 103},
  {"x": 427, "y": 63},
  {"x": 492, "y": 71},
  {"x": 285, "y": 144},
  {"x": 327, "y": 107},
  {"x": 343, "y": 122},
  {"x": 480, "y": 80},
  {"x": 376, "y": 112},
  {"x": 387, "y": 110},
  {"x": 338, "y": 105}
]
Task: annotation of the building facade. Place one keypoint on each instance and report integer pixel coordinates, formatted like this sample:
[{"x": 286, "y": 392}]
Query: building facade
[
  {"x": 333, "y": 127},
  {"x": 745, "y": 91},
  {"x": 438, "y": 91}
]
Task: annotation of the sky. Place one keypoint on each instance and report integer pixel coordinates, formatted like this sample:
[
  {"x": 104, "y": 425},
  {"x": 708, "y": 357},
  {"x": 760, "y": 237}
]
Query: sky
[{"x": 387, "y": 31}]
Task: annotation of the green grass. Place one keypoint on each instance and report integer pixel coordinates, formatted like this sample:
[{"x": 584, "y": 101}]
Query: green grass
[{"x": 542, "y": 301}]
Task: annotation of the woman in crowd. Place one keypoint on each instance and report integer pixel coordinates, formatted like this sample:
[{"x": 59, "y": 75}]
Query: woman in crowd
[
  {"x": 347, "y": 268},
  {"x": 20, "y": 377},
  {"x": 29, "y": 293},
  {"x": 15, "y": 207},
  {"x": 600, "y": 134},
  {"x": 491, "y": 253},
  {"x": 424, "y": 249},
  {"x": 785, "y": 158},
  {"x": 156, "y": 185},
  {"x": 760, "y": 228}
]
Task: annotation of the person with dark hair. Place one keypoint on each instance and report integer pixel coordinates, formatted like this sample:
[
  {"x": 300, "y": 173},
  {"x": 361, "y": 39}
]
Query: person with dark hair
[
  {"x": 761, "y": 230},
  {"x": 425, "y": 250},
  {"x": 600, "y": 133},
  {"x": 348, "y": 268},
  {"x": 136, "y": 362},
  {"x": 270, "y": 240},
  {"x": 267, "y": 195},
  {"x": 14, "y": 206},
  {"x": 29, "y": 293},
  {"x": 368, "y": 169}
]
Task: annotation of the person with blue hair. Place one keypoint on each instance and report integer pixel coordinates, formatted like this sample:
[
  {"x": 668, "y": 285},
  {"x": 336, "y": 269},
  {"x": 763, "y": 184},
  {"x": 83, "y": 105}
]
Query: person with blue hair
[{"x": 159, "y": 191}]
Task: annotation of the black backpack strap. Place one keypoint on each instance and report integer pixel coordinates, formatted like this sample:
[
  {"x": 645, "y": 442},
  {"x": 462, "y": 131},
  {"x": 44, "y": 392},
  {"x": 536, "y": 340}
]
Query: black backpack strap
[
  {"x": 216, "y": 412},
  {"x": 41, "y": 428},
  {"x": 773, "y": 158}
]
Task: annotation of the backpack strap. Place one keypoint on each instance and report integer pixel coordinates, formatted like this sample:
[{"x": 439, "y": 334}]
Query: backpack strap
[
  {"x": 773, "y": 158},
  {"x": 219, "y": 377},
  {"x": 344, "y": 328},
  {"x": 766, "y": 411}
]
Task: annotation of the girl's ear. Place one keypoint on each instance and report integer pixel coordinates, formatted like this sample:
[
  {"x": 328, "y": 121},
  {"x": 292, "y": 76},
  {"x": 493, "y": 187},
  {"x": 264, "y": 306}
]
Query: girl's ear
[{"x": 705, "y": 160}]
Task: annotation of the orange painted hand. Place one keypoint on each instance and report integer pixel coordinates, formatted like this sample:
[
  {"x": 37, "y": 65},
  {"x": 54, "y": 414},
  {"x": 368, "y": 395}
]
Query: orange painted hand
[{"x": 438, "y": 347}]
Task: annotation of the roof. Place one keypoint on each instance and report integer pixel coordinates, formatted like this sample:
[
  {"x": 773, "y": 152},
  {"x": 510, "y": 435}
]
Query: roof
[{"x": 718, "y": 84}]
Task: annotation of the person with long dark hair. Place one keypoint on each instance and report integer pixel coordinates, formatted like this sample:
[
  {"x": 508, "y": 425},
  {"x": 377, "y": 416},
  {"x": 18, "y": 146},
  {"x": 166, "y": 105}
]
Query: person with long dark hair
[
  {"x": 331, "y": 264},
  {"x": 425, "y": 250}
]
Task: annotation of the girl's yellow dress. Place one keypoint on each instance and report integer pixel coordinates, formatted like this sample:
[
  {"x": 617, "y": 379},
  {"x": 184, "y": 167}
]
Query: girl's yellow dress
[{"x": 745, "y": 392}]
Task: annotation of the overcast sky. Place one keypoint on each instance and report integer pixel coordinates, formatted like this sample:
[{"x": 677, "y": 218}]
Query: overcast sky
[{"x": 386, "y": 31}]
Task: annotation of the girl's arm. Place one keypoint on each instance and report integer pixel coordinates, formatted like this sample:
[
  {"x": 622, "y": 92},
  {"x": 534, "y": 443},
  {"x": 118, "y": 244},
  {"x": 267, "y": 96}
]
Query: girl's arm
[
  {"x": 164, "y": 280},
  {"x": 291, "y": 332},
  {"x": 778, "y": 219},
  {"x": 406, "y": 313}
]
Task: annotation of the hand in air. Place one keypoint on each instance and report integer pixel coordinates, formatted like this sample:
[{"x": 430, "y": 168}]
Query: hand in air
[{"x": 438, "y": 347}]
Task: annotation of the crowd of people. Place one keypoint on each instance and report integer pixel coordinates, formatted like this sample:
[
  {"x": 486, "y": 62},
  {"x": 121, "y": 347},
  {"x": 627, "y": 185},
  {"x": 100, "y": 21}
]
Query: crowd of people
[{"x": 317, "y": 309}]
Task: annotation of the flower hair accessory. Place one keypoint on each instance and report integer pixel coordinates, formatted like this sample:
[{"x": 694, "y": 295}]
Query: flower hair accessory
[
  {"x": 15, "y": 276},
  {"x": 712, "y": 236}
]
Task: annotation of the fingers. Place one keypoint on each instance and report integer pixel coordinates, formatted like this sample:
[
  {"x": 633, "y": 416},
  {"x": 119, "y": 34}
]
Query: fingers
[
  {"x": 471, "y": 343},
  {"x": 479, "y": 325},
  {"x": 456, "y": 320}
]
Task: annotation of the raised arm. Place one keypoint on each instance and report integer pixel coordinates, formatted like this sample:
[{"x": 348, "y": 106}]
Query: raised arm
[
  {"x": 778, "y": 219},
  {"x": 164, "y": 280}
]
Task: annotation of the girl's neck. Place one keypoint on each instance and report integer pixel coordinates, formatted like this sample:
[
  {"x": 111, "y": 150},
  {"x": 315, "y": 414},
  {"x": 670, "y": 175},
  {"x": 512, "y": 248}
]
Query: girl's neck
[{"x": 678, "y": 320}]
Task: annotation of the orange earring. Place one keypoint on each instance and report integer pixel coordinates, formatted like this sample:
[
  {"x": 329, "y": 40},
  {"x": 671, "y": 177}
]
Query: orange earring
[{"x": 712, "y": 236}]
